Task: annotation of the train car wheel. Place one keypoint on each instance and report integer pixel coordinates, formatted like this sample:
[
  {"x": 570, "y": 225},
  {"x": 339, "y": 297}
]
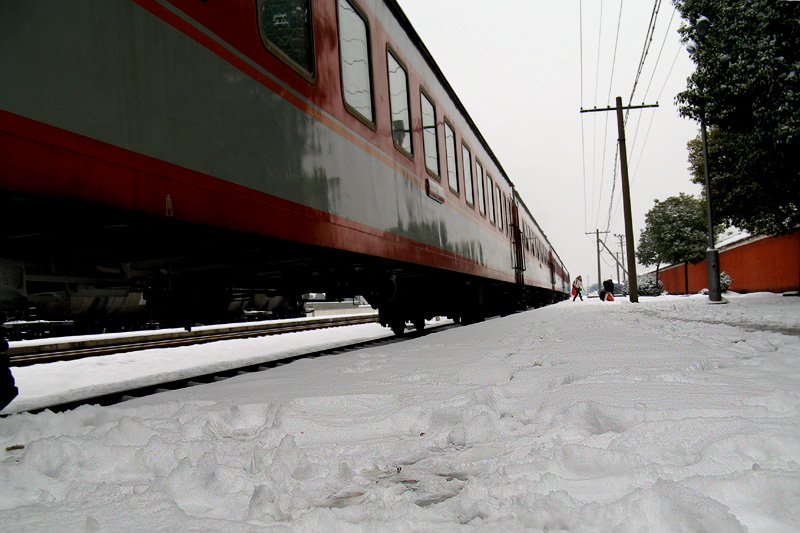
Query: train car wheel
[
  {"x": 419, "y": 324},
  {"x": 398, "y": 327}
]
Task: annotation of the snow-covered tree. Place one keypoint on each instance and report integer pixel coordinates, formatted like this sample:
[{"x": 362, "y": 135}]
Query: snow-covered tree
[
  {"x": 675, "y": 232},
  {"x": 747, "y": 86},
  {"x": 648, "y": 285}
]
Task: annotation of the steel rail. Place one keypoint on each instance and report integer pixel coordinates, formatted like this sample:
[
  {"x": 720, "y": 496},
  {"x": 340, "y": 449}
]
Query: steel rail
[{"x": 65, "y": 351}]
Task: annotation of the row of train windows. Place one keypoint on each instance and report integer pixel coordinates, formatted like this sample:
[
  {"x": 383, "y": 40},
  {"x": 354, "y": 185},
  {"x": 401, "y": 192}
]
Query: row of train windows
[
  {"x": 532, "y": 243},
  {"x": 287, "y": 31}
]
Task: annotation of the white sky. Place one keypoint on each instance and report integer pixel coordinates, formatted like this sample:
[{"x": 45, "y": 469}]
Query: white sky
[{"x": 516, "y": 66}]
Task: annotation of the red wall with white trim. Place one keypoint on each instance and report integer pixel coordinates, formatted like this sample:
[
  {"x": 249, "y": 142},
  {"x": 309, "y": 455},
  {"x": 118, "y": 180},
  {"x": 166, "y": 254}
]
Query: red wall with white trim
[{"x": 770, "y": 264}]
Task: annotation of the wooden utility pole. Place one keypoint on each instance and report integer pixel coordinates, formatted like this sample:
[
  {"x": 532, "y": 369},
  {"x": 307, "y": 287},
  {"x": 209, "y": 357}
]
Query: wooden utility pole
[
  {"x": 626, "y": 194},
  {"x": 633, "y": 285}
]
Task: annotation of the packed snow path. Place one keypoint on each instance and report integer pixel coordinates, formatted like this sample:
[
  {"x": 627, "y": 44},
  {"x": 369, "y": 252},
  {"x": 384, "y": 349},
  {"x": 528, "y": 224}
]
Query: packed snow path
[{"x": 669, "y": 415}]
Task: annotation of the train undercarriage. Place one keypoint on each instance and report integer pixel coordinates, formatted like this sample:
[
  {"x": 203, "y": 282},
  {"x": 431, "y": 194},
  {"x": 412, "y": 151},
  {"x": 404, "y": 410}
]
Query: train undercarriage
[{"x": 100, "y": 269}]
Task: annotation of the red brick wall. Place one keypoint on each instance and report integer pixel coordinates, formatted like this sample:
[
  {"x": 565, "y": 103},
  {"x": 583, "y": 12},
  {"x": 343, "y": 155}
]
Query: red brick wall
[{"x": 769, "y": 264}]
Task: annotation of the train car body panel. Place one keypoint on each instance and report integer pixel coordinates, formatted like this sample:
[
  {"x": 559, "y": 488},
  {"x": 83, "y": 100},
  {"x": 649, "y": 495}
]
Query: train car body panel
[{"x": 250, "y": 136}]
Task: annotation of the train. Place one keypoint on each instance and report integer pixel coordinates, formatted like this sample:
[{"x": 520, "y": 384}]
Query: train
[{"x": 182, "y": 161}]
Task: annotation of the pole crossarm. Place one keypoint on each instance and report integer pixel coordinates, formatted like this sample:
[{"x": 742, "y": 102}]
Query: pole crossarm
[{"x": 596, "y": 109}]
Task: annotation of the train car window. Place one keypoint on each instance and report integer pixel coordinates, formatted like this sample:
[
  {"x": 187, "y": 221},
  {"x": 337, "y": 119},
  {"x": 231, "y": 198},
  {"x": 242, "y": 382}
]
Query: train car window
[
  {"x": 399, "y": 103},
  {"x": 466, "y": 160},
  {"x": 490, "y": 197},
  {"x": 450, "y": 147},
  {"x": 481, "y": 185},
  {"x": 356, "y": 71},
  {"x": 508, "y": 214},
  {"x": 505, "y": 211},
  {"x": 287, "y": 30},
  {"x": 430, "y": 136},
  {"x": 499, "y": 199}
]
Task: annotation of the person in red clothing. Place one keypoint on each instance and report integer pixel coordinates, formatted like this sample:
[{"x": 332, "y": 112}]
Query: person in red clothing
[{"x": 577, "y": 287}]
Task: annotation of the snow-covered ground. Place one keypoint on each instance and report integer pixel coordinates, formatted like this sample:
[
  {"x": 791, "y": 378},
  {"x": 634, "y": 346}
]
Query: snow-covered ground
[{"x": 669, "y": 415}]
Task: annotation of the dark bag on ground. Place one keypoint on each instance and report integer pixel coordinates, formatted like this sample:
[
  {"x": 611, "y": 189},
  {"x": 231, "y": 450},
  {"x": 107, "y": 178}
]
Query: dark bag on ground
[{"x": 608, "y": 289}]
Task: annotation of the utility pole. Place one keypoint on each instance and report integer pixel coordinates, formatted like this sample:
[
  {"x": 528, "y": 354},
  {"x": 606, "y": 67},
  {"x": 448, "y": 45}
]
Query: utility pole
[
  {"x": 597, "y": 232},
  {"x": 626, "y": 194}
]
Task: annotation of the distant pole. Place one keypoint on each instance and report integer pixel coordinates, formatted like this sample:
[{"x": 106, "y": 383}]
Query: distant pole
[
  {"x": 633, "y": 286},
  {"x": 597, "y": 233},
  {"x": 622, "y": 248}
]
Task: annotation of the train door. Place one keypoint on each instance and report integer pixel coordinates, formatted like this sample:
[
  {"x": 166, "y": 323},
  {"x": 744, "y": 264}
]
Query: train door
[{"x": 517, "y": 246}]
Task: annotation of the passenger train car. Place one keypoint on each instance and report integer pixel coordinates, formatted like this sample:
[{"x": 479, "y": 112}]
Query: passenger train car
[{"x": 183, "y": 159}]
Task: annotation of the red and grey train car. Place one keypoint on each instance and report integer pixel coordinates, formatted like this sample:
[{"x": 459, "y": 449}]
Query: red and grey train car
[{"x": 182, "y": 157}]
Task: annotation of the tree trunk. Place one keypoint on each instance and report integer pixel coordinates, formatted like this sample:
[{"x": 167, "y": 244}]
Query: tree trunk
[
  {"x": 658, "y": 268},
  {"x": 686, "y": 275}
]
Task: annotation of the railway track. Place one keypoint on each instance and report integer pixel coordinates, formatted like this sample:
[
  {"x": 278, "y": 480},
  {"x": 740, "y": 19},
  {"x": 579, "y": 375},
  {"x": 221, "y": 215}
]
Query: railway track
[
  {"x": 66, "y": 350},
  {"x": 115, "y": 397}
]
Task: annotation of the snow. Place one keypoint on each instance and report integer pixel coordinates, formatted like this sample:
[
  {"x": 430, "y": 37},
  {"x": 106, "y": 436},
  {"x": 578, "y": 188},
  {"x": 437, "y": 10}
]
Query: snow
[{"x": 668, "y": 415}]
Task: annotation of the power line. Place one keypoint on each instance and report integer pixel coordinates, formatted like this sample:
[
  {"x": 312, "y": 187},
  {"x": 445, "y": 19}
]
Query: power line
[
  {"x": 647, "y": 41},
  {"x": 583, "y": 139},
  {"x": 593, "y": 205},
  {"x": 652, "y": 77},
  {"x": 596, "y": 87},
  {"x": 608, "y": 99},
  {"x": 660, "y": 52},
  {"x": 635, "y": 146},
  {"x": 674, "y": 60}
]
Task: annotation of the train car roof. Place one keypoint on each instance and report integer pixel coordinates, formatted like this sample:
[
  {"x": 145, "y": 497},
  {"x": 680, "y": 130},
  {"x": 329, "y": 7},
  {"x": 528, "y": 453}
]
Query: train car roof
[{"x": 397, "y": 11}]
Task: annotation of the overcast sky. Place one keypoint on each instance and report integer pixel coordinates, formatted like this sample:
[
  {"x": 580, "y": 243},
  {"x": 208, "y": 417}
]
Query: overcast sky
[{"x": 516, "y": 65}]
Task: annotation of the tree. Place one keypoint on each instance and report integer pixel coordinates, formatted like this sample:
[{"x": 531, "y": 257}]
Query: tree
[
  {"x": 675, "y": 232},
  {"x": 747, "y": 86}
]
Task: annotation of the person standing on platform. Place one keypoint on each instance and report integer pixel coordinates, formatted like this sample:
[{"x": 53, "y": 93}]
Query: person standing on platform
[{"x": 577, "y": 287}]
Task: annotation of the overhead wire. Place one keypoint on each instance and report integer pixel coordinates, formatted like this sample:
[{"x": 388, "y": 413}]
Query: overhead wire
[
  {"x": 650, "y": 83},
  {"x": 605, "y": 136},
  {"x": 668, "y": 76},
  {"x": 594, "y": 129},
  {"x": 658, "y": 99},
  {"x": 608, "y": 99},
  {"x": 638, "y": 155},
  {"x": 590, "y": 163},
  {"x": 583, "y": 130},
  {"x": 646, "y": 49},
  {"x": 660, "y": 52}
]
